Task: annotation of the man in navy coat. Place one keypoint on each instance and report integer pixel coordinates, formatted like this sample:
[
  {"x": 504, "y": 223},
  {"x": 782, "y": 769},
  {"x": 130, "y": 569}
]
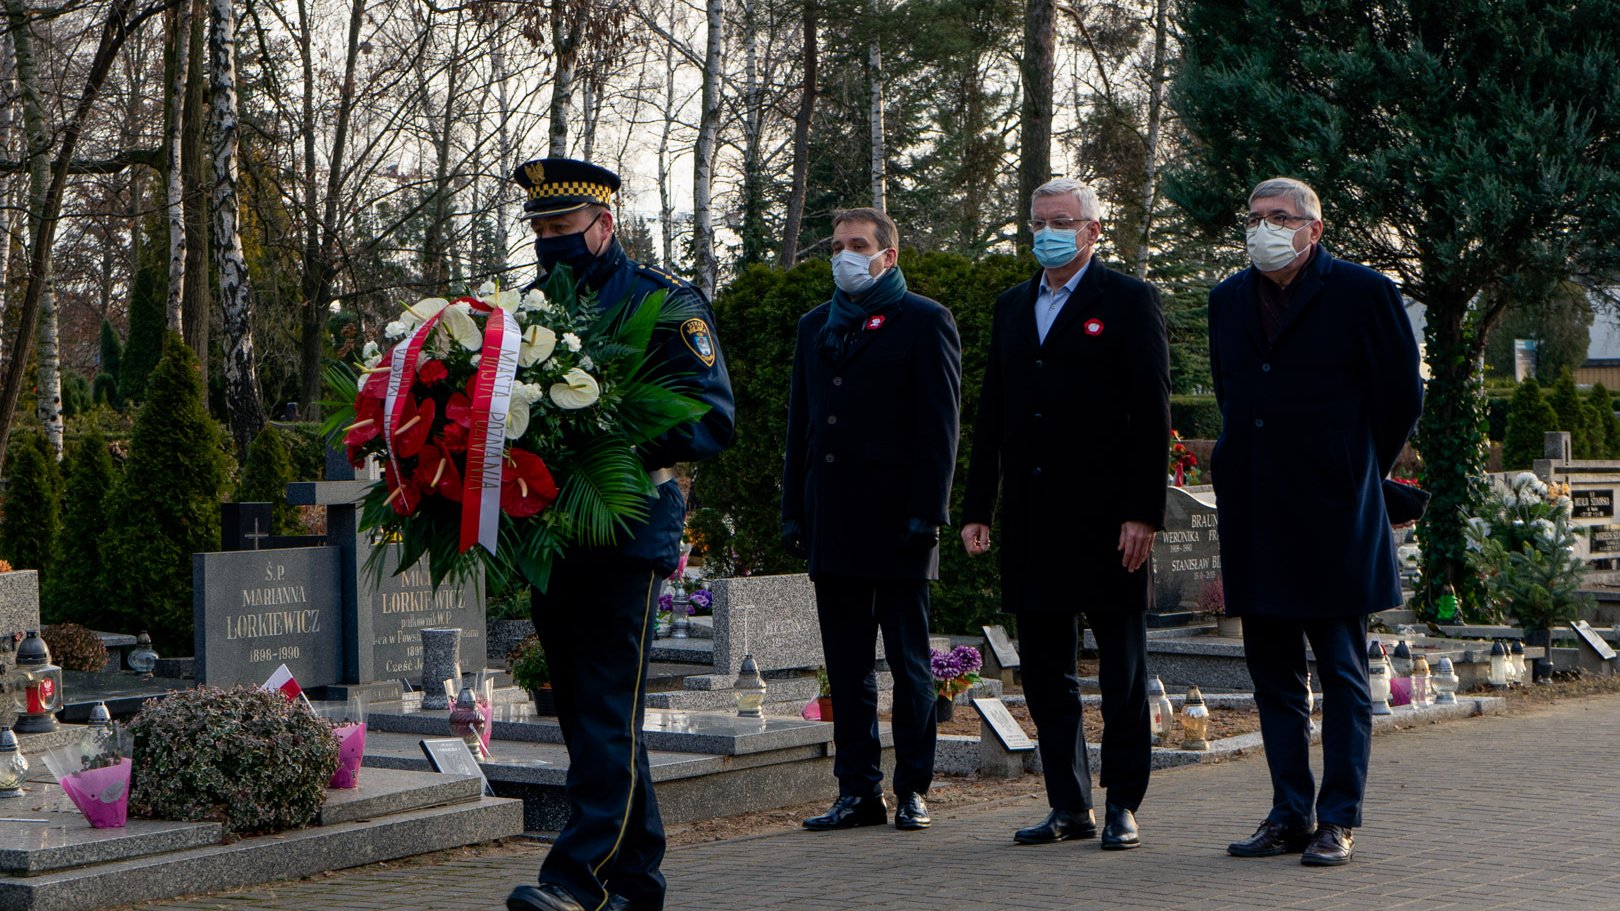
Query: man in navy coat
[
  {"x": 595, "y": 618},
  {"x": 866, "y": 483},
  {"x": 1073, "y": 432},
  {"x": 1316, "y": 373}
]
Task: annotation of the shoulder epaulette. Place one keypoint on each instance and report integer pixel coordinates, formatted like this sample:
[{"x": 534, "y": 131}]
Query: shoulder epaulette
[{"x": 667, "y": 277}]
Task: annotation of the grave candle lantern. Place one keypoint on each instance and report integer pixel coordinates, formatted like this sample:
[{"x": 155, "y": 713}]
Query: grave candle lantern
[
  {"x": 749, "y": 689},
  {"x": 1516, "y": 666},
  {"x": 1195, "y": 721},
  {"x": 1499, "y": 664},
  {"x": 1163, "y": 713},
  {"x": 143, "y": 658},
  {"x": 1445, "y": 683},
  {"x": 42, "y": 697},
  {"x": 1378, "y": 685},
  {"x": 1401, "y": 662},
  {"x": 1421, "y": 694},
  {"x": 13, "y": 766}
]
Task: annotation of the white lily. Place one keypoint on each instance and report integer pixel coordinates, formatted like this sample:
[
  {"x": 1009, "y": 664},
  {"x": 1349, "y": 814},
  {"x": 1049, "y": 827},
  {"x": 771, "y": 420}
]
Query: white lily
[
  {"x": 524, "y": 395},
  {"x": 458, "y": 322},
  {"x": 577, "y": 390},
  {"x": 538, "y": 343}
]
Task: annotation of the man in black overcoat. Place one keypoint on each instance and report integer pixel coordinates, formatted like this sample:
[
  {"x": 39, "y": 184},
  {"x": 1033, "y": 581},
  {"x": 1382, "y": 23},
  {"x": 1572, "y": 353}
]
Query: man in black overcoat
[
  {"x": 871, "y": 447},
  {"x": 1074, "y": 431},
  {"x": 595, "y": 619},
  {"x": 1316, "y": 371}
]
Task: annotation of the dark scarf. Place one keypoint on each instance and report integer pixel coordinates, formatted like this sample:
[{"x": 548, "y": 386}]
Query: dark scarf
[{"x": 848, "y": 312}]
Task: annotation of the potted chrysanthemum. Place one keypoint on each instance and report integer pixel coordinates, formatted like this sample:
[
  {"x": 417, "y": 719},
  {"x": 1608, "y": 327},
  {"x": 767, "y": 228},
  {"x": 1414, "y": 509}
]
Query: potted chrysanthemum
[{"x": 955, "y": 672}]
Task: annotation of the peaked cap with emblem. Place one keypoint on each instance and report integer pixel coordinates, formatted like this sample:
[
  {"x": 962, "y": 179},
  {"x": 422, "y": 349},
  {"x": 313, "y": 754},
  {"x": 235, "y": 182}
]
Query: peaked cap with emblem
[{"x": 556, "y": 186}]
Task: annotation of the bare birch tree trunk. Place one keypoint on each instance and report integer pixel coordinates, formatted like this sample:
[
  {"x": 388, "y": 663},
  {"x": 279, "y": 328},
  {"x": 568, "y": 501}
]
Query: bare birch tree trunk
[
  {"x": 801, "y": 143},
  {"x": 755, "y": 242},
  {"x": 8, "y": 214},
  {"x": 235, "y": 288},
  {"x": 1035, "y": 128},
  {"x": 874, "y": 77},
  {"x": 708, "y": 268},
  {"x": 1156, "y": 83},
  {"x": 195, "y": 168},
  {"x": 666, "y": 196},
  {"x": 567, "y": 27},
  {"x": 503, "y": 144},
  {"x": 175, "y": 178}
]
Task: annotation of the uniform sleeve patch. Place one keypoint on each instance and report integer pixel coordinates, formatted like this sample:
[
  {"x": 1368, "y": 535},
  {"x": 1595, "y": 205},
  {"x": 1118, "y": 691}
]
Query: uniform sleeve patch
[{"x": 695, "y": 333}]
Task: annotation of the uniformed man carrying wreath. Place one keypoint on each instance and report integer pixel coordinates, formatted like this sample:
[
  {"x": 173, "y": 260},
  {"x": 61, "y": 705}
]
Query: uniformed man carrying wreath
[{"x": 595, "y": 619}]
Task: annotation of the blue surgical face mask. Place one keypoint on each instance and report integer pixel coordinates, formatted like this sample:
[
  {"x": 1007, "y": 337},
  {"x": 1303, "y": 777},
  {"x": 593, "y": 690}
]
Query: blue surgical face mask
[
  {"x": 1055, "y": 249},
  {"x": 852, "y": 272}
]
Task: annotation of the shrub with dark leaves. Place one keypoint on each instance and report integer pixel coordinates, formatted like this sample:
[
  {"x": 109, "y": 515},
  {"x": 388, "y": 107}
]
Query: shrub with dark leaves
[
  {"x": 243, "y": 757},
  {"x": 75, "y": 647}
]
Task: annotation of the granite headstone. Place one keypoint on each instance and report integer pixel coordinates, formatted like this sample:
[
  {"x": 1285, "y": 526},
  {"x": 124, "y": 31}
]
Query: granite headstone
[
  {"x": 257, "y": 610},
  {"x": 1187, "y": 553}
]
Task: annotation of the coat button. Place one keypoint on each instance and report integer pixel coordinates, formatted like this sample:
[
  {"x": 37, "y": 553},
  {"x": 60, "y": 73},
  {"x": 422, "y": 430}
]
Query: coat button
[
  {"x": 1040, "y": 364},
  {"x": 1037, "y": 471},
  {"x": 832, "y": 418},
  {"x": 1259, "y": 422},
  {"x": 829, "y": 457},
  {"x": 1037, "y": 415},
  {"x": 1265, "y": 368},
  {"x": 838, "y": 381}
]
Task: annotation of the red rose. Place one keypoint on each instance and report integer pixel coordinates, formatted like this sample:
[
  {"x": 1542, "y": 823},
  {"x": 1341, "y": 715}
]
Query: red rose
[{"x": 432, "y": 372}]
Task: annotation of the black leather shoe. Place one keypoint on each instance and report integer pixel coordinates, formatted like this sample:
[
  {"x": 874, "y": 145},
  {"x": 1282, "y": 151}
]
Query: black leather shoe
[
  {"x": 544, "y": 897},
  {"x": 1119, "y": 829},
  {"x": 1333, "y": 846},
  {"x": 1059, "y": 825},
  {"x": 850, "y": 812},
  {"x": 911, "y": 812},
  {"x": 1271, "y": 839}
]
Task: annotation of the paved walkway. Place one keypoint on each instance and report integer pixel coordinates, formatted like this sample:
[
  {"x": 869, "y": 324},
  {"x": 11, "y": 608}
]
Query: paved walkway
[{"x": 1489, "y": 813}]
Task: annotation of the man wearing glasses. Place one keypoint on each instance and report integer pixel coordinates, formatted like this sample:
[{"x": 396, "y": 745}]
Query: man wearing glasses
[
  {"x": 1316, "y": 371},
  {"x": 1072, "y": 431}
]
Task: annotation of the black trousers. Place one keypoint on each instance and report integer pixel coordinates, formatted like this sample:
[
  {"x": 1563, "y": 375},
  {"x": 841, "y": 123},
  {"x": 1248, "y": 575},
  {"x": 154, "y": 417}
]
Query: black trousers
[
  {"x": 852, "y": 611},
  {"x": 1275, "y": 650},
  {"x": 1048, "y": 644},
  {"x": 595, "y": 622}
]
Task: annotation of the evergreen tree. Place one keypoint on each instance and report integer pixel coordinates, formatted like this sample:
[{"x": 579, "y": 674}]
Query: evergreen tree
[
  {"x": 265, "y": 477},
  {"x": 1602, "y": 405},
  {"x": 166, "y": 506},
  {"x": 1461, "y": 146},
  {"x": 1529, "y": 418},
  {"x": 77, "y": 592},
  {"x": 75, "y": 394},
  {"x": 33, "y": 491},
  {"x": 148, "y": 321},
  {"x": 105, "y": 391},
  {"x": 1566, "y": 402}
]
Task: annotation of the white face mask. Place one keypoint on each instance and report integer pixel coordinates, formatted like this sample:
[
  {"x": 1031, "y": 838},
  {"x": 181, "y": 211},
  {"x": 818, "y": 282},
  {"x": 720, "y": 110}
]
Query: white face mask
[
  {"x": 852, "y": 272},
  {"x": 1272, "y": 248}
]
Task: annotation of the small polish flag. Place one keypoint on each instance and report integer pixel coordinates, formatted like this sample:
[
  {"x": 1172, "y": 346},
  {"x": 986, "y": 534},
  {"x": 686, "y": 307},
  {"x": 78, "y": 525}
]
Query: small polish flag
[{"x": 282, "y": 680}]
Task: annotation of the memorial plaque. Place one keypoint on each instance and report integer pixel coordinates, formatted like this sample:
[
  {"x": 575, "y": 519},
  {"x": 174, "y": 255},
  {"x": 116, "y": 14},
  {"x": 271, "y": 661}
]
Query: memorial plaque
[
  {"x": 1604, "y": 539},
  {"x": 1005, "y": 726},
  {"x": 450, "y": 756},
  {"x": 1001, "y": 647},
  {"x": 397, "y": 608},
  {"x": 1593, "y": 503},
  {"x": 1187, "y": 553},
  {"x": 1586, "y": 634},
  {"x": 257, "y": 610}
]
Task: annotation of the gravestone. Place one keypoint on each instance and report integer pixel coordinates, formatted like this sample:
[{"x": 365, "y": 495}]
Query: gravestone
[
  {"x": 19, "y": 610},
  {"x": 1187, "y": 553},
  {"x": 257, "y": 610},
  {"x": 1593, "y": 655},
  {"x": 1001, "y": 660},
  {"x": 1002, "y": 741},
  {"x": 771, "y": 617},
  {"x": 450, "y": 756}
]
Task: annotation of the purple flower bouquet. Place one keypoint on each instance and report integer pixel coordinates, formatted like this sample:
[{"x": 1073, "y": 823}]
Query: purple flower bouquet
[{"x": 954, "y": 671}]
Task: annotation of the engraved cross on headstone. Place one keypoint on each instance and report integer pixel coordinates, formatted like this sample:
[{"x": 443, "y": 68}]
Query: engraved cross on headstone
[{"x": 256, "y": 535}]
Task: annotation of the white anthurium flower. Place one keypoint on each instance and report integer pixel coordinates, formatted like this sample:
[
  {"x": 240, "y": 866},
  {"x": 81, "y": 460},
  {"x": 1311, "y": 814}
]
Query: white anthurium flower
[
  {"x": 507, "y": 300},
  {"x": 524, "y": 396},
  {"x": 572, "y": 341},
  {"x": 459, "y": 323},
  {"x": 395, "y": 331},
  {"x": 577, "y": 390},
  {"x": 538, "y": 343},
  {"x": 370, "y": 354},
  {"x": 422, "y": 311}
]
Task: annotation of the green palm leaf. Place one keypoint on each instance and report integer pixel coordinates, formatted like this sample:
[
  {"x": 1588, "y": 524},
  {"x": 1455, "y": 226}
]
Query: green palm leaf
[{"x": 605, "y": 491}]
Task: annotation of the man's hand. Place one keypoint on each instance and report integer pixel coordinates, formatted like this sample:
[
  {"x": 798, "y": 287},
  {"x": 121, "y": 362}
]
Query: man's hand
[
  {"x": 976, "y": 538},
  {"x": 1135, "y": 544},
  {"x": 919, "y": 535},
  {"x": 793, "y": 539}
]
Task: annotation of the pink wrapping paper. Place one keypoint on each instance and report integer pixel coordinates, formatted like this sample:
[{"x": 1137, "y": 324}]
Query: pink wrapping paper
[
  {"x": 1400, "y": 691},
  {"x": 102, "y": 795},
  {"x": 351, "y": 751},
  {"x": 488, "y": 711}
]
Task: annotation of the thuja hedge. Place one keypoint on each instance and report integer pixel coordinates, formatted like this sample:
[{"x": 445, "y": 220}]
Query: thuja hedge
[{"x": 166, "y": 506}]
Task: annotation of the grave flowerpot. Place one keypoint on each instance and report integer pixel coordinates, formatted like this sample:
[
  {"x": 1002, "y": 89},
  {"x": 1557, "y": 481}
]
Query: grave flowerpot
[
  {"x": 545, "y": 702},
  {"x": 824, "y": 706},
  {"x": 944, "y": 709},
  {"x": 1230, "y": 627}
]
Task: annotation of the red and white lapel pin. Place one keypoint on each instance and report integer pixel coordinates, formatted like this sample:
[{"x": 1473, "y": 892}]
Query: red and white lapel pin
[
  {"x": 1094, "y": 327},
  {"x": 876, "y": 322}
]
